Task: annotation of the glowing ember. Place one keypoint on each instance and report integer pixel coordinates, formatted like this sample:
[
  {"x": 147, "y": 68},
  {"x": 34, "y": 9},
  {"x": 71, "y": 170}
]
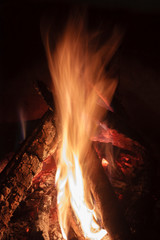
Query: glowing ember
[
  {"x": 104, "y": 162},
  {"x": 79, "y": 80}
]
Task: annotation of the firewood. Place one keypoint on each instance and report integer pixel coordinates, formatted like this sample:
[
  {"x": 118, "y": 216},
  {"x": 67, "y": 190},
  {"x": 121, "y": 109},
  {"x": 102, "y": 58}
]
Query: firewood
[
  {"x": 107, "y": 204},
  {"x": 17, "y": 177}
]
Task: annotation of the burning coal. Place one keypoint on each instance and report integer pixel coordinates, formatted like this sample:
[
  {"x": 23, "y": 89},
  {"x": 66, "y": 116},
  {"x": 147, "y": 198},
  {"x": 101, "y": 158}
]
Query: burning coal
[{"x": 82, "y": 93}]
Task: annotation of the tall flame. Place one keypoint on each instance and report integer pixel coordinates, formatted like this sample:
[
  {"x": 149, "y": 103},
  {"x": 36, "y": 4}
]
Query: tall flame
[{"x": 79, "y": 80}]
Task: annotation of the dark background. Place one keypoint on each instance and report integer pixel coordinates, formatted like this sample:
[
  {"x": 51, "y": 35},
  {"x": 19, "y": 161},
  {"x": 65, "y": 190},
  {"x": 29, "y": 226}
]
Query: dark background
[{"x": 22, "y": 58}]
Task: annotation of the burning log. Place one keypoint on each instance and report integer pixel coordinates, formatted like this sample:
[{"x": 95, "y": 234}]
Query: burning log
[
  {"x": 111, "y": 214},
  {"x": 106, "y": 201},
  {"x": 17, "y": 177}
]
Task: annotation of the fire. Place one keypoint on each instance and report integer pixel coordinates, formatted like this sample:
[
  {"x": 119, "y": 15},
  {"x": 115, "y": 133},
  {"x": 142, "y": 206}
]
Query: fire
[{"x": 79, "y": 80}]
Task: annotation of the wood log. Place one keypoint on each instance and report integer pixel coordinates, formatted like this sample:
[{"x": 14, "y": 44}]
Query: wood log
[
  {"x": 113, "y": 219},
  {"x": 17, "y": 177}
]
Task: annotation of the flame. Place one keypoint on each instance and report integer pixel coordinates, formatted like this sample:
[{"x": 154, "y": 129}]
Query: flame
[{"x": 80, "y": 87}]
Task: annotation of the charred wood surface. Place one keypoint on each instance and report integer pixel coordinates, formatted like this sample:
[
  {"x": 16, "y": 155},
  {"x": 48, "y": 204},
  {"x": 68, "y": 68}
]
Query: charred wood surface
[
  {"x": 36, "y": 217},
  {"x": 17, "y": 177}
]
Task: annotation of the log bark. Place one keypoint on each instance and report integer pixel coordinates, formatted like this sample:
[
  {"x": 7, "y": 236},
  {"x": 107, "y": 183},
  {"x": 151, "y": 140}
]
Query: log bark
[{"x": 17, "y": 177}]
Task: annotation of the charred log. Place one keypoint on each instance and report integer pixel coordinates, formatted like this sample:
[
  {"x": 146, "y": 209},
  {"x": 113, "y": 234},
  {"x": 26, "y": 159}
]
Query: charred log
[
  {"x": 113, "y": 219},
  {"x": 45, "y": 93},
  {"x": 17, "y": 177}
]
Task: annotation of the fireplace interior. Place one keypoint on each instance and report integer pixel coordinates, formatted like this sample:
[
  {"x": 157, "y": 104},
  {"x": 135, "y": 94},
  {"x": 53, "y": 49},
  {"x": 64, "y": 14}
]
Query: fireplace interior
[{"x": 29, "y": 138}]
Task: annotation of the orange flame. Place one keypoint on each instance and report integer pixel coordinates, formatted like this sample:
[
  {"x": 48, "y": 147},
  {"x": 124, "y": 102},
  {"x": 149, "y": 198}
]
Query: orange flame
[{"x": 79, "y": 79}]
